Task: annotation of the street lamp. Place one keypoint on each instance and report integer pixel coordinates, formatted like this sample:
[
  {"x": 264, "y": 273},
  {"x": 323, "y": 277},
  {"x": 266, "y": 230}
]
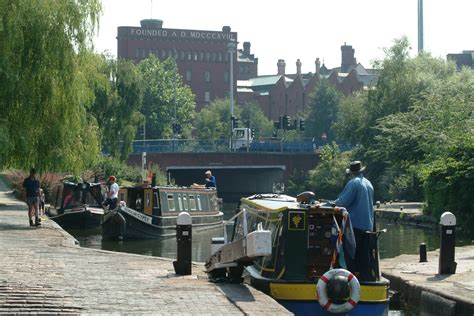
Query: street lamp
[{"x": 231, "y": 46}]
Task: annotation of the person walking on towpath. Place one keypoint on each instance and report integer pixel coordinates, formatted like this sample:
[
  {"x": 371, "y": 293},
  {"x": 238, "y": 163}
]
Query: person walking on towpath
[
  {"x": 32, "y": 188},
  {"x": 358, "y": 198}
]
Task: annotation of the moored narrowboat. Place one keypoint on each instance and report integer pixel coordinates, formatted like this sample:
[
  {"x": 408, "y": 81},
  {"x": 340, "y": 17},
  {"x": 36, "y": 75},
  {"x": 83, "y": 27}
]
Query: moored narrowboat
[
  {"x": 147, "y": 212},
  {"x": 77, "y": 205},
  {"x": 308, "y": 270}
]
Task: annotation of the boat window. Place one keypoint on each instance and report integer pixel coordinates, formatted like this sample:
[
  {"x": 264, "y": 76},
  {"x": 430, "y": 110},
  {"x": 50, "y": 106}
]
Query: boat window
[
  {"x": 155, "y": 199},
  {"x": 122, "y": 196},
  {"x": 180, "y": 202},
  {"x": 147, "y": 199},
  {"x": 192, "y": 202},
  {"x": 199, "y": 202},
  {"x": 171, "y": 205},
  {"x": 185, "y": 202}
]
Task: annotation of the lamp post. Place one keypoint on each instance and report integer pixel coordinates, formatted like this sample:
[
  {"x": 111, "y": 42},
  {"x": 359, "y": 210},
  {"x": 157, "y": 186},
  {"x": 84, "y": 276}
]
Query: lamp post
[
  {"x": 174, "y": 95},
  {"x": 231, "y": 46},
  {"x": 144, "y": 171}
]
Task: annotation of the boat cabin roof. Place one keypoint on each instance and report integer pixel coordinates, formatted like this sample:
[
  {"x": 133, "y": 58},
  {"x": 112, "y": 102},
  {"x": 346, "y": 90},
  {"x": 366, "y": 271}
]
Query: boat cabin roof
[{"x": 272, "y": 202}]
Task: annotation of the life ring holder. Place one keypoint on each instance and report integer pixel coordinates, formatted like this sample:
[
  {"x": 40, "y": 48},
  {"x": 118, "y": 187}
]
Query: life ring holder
[{"x": 326, "y": 303}]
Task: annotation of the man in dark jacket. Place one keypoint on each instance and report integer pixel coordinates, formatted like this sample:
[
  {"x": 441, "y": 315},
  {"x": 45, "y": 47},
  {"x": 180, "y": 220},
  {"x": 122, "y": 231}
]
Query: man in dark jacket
[{"x": 32, "y": 188}]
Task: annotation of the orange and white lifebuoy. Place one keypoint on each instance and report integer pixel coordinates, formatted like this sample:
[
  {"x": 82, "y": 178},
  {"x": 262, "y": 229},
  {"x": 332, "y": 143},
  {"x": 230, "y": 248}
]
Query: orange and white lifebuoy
[{"x": 326, "y": 303}]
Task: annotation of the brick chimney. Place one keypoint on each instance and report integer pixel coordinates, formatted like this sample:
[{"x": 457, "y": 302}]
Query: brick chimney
[
  {"x": 281, "y": 66},
  {"x": 298, "y": 67},
  {"x": 247, "y": 48},
  {"x": 347, "y": 58},
  {"x": 318, "y": 66}
]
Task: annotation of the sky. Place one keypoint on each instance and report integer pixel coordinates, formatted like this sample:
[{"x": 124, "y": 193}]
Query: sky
[{"x": 304, "y": 29}]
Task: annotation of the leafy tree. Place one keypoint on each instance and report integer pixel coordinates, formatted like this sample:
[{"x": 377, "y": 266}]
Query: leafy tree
[
  {"x": 252, "y": 113},
  {"x": 118, "y": 95},
  {"x": 163, "y": 92},
  {"x": 42, "y": 100},
  {"x": 213, "y": 122},
  {"x": 323, "y": 108}
]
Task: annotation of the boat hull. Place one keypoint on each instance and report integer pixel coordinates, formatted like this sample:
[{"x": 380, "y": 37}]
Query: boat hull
[
  {"x": 79, "y": 218},
  {"x": 301, "y": 298},
  {"x": 126, "y": 223}
]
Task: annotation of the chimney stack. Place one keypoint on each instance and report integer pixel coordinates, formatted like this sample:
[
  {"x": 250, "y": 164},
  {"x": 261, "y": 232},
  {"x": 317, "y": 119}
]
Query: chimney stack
[
  {"x": 281, "y": 66},
  {"x": 298, "y": 67},
  {"x": 318, "y": 66},
  {"x": 247, "y": 48},
  {"x": 347, "y": 58}
]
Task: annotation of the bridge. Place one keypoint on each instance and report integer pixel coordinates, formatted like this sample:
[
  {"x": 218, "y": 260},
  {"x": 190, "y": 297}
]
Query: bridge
[{"x": 237, "y": 174}]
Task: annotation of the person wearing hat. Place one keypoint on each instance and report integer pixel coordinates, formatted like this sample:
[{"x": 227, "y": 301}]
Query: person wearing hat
[
  {"x": 210, "y": 180},
  {"x": 358, "y": 198},
  {"x": 112, "y": 194}
]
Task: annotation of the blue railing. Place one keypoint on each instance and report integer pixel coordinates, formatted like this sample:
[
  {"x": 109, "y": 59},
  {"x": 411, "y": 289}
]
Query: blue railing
[{"x": 224, "y": 145}]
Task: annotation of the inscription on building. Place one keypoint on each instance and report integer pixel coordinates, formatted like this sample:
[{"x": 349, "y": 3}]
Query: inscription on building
[{"x": 182, "y": 34}]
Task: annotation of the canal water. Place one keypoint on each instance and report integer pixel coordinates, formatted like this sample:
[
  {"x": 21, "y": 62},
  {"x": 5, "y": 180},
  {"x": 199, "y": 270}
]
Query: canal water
[{"x": 399, "y": 239}]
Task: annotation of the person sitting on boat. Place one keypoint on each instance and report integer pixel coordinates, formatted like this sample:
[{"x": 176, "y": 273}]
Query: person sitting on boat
[
  {"x": 358, "y": 198},
  {"x": 210, "y": 180},
  {"x": 112, "y": 194},
  {"x": 72, "y": 199}
]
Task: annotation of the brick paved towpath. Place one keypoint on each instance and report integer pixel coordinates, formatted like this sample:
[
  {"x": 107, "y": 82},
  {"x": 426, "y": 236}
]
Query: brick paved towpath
[{"x": 43, "y": 271}]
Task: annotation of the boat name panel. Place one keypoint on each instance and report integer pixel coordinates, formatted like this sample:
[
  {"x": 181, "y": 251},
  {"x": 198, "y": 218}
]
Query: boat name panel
[{"x": 137, "y": 215}]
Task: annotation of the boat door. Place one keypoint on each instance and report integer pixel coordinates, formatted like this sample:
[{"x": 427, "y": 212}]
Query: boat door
[
  {"x": 148, "y": 206},
  {"x": 122, "y": 195}
]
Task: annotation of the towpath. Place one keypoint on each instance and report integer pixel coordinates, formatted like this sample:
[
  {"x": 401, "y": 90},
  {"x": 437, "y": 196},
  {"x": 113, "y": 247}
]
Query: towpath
[{"x": 43, "y": 270}]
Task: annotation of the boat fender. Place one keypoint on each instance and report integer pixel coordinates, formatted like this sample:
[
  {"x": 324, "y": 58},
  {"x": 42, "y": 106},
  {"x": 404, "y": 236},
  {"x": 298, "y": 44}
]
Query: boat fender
[{"x": 327, "y": 303}]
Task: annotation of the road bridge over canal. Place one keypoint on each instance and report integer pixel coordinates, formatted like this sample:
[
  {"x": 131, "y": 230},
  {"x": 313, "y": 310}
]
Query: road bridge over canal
[{"x": 237, "y": 173}]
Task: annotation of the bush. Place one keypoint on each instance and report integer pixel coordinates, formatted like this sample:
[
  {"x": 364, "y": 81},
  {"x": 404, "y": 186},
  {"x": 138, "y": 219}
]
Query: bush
[{"x": 448, "y": 185}]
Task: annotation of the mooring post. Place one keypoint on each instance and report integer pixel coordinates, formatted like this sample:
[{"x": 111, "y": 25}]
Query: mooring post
[
  {"x": 423, "y": 252},
  {"x": 182, "y": 265},
  {"x": 447, "y": 265}
]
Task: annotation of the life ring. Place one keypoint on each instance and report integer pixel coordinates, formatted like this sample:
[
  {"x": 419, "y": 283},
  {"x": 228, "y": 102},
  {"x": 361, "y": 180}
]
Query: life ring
[{"x": 326, "y": 302}]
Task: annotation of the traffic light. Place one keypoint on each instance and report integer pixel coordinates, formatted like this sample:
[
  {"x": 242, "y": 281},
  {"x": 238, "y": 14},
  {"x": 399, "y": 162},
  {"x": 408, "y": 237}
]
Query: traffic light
[
  {"x": 234, "y": 121},
  {"x": 277, "y": 124},
  {"x": 301, "y": 124},
  {"x": 286, "y": 122},
  {"x": 252, "y": 132}
]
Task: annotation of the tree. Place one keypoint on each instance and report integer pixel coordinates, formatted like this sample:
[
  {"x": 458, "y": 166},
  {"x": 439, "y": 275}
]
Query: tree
[
  {"x": 252, "y": 113},
  {"x": 213, "y": 122},
  {"x": 163, "y": 92},
  {"x": 118, "y": 95},
  {"x": 42, "y": 100},
  {"x": 323, "y": 108}
]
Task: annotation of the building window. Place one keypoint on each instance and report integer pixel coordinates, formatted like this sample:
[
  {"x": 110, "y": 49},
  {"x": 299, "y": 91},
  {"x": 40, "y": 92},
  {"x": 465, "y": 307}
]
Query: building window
[
  {"x": 208, "y": 56},
  {"x": 189, "y": 56},
  {"x": 137, "y": 53},
  {"x": 226, "y": 76},
  {"x": 241, "y": 69},
  {"x": 183, "y": 55},
  {"x": 188, "y": 75},
  {"x": 195, "y": 56},
  {"x": 207, "y": 96},
  {"x": 226, "y": 57},
  {"x": 163, "y": 54},
  {"x": 220, "y": 57},
  {"x": 213, "y": 56},
  {"x": 207, "y": 76},
  {"x": 201, "y": 56}
]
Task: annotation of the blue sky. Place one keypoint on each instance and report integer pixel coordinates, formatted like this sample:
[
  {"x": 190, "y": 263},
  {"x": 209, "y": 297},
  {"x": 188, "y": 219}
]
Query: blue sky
[{"x": 304, "y": 29}]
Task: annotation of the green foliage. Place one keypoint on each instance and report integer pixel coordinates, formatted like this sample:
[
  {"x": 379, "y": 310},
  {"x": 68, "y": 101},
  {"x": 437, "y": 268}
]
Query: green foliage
[
  {"x": 252, "y": 113},
  {"x": 323, "y": 107},
  {"x": 42, "y": 99},
  {"x": 163, "y": 92},
  {"x": 448, "y": 185},
  {"x": 213, "y": 122},
  {"x": 328, "y": 178}
]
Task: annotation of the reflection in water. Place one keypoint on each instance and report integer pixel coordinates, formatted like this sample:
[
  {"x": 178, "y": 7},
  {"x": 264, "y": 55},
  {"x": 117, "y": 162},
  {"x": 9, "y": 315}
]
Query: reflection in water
[{"x": 398, "y": 239}]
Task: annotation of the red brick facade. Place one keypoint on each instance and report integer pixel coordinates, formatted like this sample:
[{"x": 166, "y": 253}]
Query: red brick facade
[{"x": 202, "y": 57}]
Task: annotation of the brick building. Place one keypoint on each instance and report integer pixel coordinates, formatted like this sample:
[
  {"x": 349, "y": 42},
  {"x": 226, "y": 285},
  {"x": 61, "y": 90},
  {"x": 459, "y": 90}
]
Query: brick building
[
  {"x": 288, "y": 94},
  {"x": 202, "y": 57},
  {"x": 465, "y": 59}
]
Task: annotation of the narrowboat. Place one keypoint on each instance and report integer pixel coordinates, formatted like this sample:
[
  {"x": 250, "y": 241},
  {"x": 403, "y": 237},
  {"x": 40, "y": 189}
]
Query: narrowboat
[
  {"x": 77, "y": 205},
  {"x": 147, "y": 212},
  {"x": 311, "y": 244}
]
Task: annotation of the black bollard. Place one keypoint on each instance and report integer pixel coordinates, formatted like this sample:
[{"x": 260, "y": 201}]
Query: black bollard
[
  {"x": 182, "y": 265},
  {"x": 447, "y": 265},
  {"x": 423, "y": 252}
]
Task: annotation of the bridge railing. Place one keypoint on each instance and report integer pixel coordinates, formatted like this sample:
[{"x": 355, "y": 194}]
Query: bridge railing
[{"x": 223, "y": 145}]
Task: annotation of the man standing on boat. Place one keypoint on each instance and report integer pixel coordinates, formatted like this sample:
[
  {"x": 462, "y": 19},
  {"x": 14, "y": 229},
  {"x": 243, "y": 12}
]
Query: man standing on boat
[
  {"x": 358, "y": 198},
  {"x": 210, "y": 180},
  {"x": 32, "y": 188},
  {"x": 112, "y": 194}
]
